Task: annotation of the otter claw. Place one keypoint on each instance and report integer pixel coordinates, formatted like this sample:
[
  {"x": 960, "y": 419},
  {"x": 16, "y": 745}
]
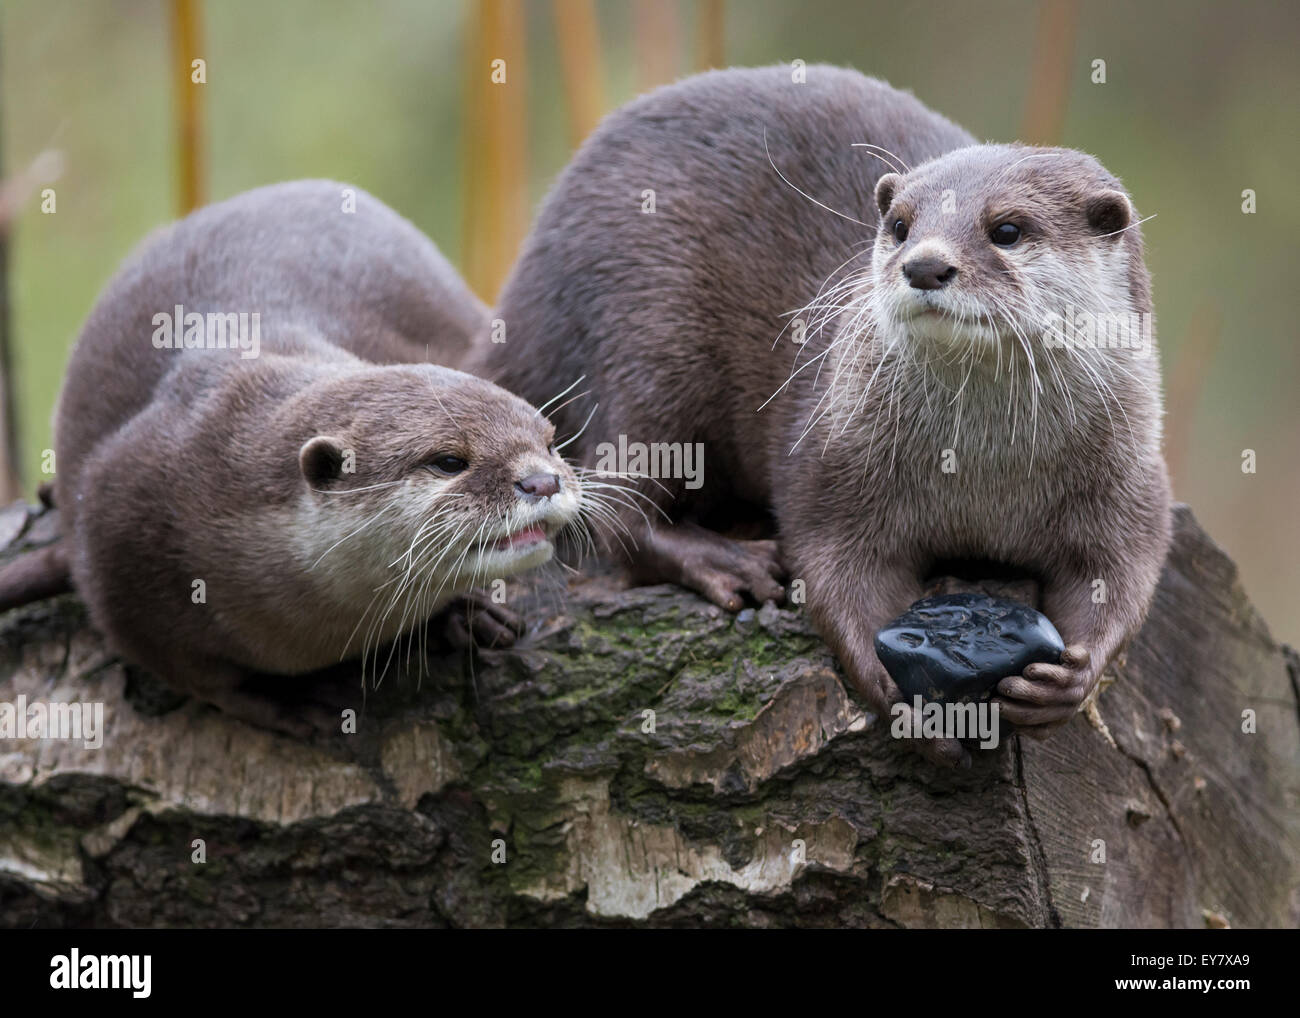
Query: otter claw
[
  {"x": 475, "y": 620},
  {"x": 1047, "y": 695},
  {"x": 730, "y": 569}
]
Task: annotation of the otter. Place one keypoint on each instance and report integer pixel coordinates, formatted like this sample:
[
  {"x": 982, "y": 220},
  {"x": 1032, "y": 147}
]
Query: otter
[
  {"x": 258, "y": 471},
  {"x": 865, "y": 319}
]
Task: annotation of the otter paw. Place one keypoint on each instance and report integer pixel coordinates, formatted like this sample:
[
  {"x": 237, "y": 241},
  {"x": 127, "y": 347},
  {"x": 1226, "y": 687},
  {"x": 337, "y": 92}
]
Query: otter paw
[
  {"x": 1046, "y": 696},
  {"x": 944, "y": 752},
  {"x": 888, "y": 704},
  {"x": 475, "y": 620},
  {"x": 724, "y": 571}
]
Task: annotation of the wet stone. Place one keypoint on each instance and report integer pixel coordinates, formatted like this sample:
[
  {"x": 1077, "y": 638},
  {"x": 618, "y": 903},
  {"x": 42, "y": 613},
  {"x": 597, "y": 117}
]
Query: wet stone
[{"x": 957, "y": 647}]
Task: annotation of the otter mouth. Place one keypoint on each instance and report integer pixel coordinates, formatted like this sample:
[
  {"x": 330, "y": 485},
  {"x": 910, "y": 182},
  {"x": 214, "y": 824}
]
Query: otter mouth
[
  {"x": 526, "y": 537},
  {"x": 914, "y": 308},
  {"x": 949, "y": 325}
]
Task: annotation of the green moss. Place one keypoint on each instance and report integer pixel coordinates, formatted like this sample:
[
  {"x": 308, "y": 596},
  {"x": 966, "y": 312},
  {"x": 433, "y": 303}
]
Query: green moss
[{"x": 39, "y": 828}]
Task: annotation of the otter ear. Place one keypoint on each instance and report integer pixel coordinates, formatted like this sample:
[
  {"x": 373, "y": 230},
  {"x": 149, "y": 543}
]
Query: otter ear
[
  {"x": 886, "y": 188},
  {"x": 1109, "y": 212},
  {"x": 321, "y": 459}
]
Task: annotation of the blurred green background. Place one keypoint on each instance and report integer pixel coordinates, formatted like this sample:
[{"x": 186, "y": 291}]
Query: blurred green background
[{"x": 1200, "y": 103}]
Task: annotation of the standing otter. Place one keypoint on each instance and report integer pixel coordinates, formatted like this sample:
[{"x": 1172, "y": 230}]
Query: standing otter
[
  {"x": 256, "y": 470},
  {"x": 921, "y": 406}
]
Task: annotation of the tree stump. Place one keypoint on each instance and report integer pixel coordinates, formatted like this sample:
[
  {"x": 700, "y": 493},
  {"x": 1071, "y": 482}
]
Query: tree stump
[{"x": 534, "y": 787}]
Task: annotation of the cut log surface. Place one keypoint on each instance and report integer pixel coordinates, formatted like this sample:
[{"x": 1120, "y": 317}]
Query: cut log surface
[{"x": 643, "y": 758}]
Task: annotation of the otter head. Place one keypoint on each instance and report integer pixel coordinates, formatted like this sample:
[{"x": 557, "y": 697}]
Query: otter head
[
  {"x": 994, "y": 248},
  {"x": 423, "y": 482}
]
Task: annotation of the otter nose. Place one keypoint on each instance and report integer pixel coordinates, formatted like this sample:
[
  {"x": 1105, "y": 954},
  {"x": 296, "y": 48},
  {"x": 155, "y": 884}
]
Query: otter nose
[
  {"x": 928, "y": 273},
  {"x": 539, "y": 485}
]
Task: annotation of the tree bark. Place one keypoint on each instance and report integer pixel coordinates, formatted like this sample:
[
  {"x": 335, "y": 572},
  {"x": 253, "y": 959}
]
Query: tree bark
[{"x": 526, "y": 787}]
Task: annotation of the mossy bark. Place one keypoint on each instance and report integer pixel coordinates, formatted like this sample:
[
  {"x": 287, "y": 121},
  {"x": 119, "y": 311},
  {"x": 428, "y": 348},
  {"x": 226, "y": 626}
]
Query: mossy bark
[{"x": 529, "y": 788}]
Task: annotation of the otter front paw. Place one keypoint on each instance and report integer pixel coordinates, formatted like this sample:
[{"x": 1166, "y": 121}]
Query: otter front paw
[
  {"x": 724, "y": 570},
  {"x": 888, "y": 703},
  {"x": 942, "y": 751},
  {"x": 475, "y": 620},
  {"x": 1048, "y": 695}
]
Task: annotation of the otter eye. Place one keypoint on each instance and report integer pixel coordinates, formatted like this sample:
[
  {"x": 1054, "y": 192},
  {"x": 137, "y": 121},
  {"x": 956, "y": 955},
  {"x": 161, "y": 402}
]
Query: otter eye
[
  {"x": 900, "y": 230},
  {"x": 1005, "y": 234},
  {"x": 448, "y": 464}
]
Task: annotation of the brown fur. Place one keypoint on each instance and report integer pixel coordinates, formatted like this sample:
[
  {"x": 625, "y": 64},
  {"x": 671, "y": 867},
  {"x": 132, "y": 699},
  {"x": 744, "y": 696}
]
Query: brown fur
[
  {"x": 681, "y": 322},
  {"x": 175, "y": 466}
]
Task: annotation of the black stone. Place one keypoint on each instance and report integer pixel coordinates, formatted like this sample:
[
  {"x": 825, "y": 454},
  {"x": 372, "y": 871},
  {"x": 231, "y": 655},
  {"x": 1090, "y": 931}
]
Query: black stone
[{"x": 957, "y": 647}]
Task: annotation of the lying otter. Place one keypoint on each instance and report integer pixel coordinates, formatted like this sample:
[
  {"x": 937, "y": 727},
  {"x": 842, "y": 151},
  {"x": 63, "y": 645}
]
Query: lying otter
[{"x": 257, "y": 470}]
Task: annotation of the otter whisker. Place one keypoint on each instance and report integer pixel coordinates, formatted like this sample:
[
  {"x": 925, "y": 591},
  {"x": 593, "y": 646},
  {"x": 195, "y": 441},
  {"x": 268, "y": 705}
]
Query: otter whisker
[
  {"x": 591, "y": 488},
  {"x": 1067, "y": 296},
  {"x": 585, "y": 392},
  {"x": 541, "y": 410},
  {"x": 893, "y": 166},
  {"x": 402, "y": 595},
  {"x": 426, "y": 605},
  {"x": 843, "y": 336},
  {"x": 1032, "y": 155},
  {"x": 599, "y": 507},
  {"x": 847, "y": 335},
  {"x": 458, "y": 564},
  {"x": 355, "y": 491},
  {"x": 898, "y": 419},
  {"x": 586, "y": 473},
  {"x": 383, "y": 509},
  {"x": 601, "y": 513},
  {"x": 579, "y": 432},
  {"x": 578, "y": 534},
  {"x": 607, "y": 498},
  {"x": 438, "y": 399},
  {"x": 432, "y": 528},
  {"x": 1130, "y": 226},
  {"x": 832, "y": 388},
  {"x": 427, "y": 531},
  {"x": 817, "y": 301},
  {"x": 805, "y": 194},
  {"x": 1008, "y": 309},
  {"x": 612, "y": 534},
  {"x": 1027, "y": 343}
]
